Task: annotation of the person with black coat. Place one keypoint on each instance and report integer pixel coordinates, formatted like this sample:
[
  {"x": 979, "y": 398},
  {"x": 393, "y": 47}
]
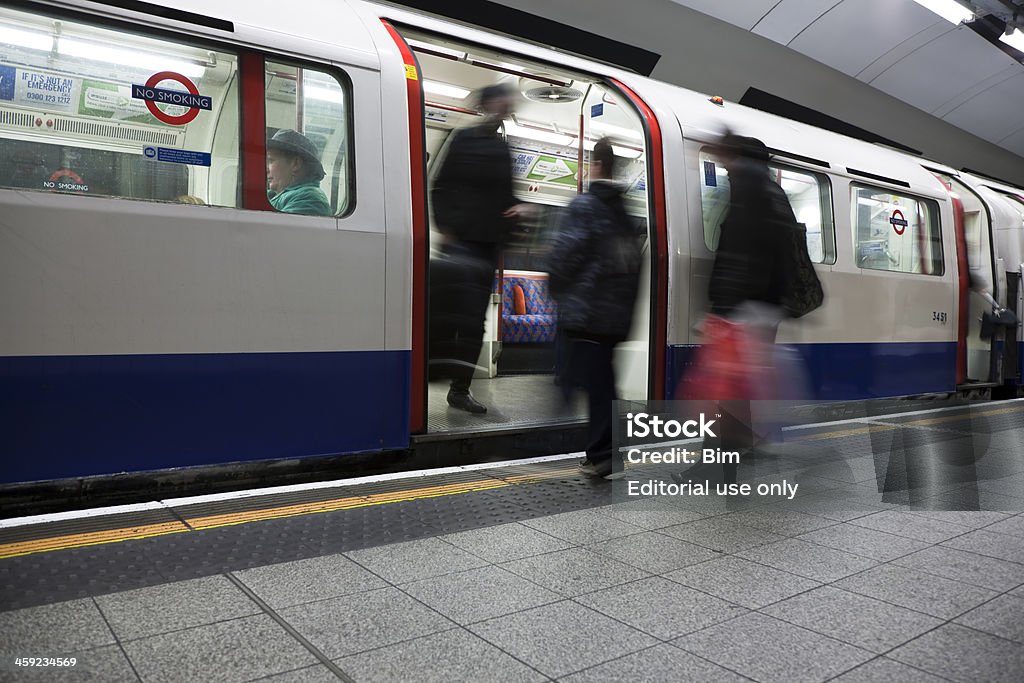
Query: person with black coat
[
  {"x": 750, "y": 278},
  {"x": 476, "y": 211},
  {"x": 750, "y": 260},
  {"x": 594, "y": 277}
]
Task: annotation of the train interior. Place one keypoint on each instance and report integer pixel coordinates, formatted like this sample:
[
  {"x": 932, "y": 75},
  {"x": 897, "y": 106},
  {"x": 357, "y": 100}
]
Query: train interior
[{"x": 559, "y": 116}]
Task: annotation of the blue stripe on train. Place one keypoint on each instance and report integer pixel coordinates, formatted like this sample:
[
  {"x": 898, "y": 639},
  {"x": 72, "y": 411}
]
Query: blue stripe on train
[
  {"x": 68, "y": 416},
  {"x": 858, "y": 371}
]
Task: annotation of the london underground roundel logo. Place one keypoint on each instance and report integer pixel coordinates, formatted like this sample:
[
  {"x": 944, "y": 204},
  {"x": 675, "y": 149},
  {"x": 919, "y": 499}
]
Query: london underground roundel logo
[
  {"x": 189, "y": 98},
  {"x": 899, "y": 223}
]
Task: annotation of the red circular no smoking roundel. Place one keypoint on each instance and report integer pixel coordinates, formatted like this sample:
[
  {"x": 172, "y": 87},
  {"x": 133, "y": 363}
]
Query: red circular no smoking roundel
[
  {"x": 188, "y": 116},
  {"x": 899, "y": 223}
]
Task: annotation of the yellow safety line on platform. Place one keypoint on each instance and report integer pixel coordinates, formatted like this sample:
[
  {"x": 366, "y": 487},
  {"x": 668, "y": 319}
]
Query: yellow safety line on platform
[
  {"x": 232, "y": 518},
  {"x": 846, "y": 432},
  {"x": 229, "y": 519},
  {"x": 958, "y": 418},
  {"x": 42, "y": 545}
]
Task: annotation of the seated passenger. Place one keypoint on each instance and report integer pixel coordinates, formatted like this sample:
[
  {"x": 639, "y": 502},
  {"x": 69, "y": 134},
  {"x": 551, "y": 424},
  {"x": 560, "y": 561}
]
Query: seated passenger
[{"x": 293, "y": 175}]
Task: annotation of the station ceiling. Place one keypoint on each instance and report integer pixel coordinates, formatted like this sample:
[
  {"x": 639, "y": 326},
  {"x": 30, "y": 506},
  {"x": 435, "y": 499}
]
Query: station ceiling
[{"x": 961, "y": 74}]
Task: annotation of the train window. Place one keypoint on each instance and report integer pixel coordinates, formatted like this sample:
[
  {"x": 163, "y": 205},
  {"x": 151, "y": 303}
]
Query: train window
[
  {"x": 810, "y": 195},
  {"x": 896, "y": 232},
  {"x": 98, "y": 111},
  {"x": 308, "y": 141}
]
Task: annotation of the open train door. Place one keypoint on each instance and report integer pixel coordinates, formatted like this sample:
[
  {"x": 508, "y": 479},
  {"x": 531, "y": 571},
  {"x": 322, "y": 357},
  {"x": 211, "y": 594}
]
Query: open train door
[{"x": 561, "y": 113}]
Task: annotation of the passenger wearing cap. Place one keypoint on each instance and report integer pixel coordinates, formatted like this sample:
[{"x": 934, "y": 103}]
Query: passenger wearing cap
[{"x": 294, "y": 173}]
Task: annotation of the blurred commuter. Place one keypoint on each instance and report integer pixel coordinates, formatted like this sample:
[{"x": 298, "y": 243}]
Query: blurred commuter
[
  {"x": 595, "y": 274},
  {"x": 476, "y": 211},
  {"x": 751, "y": 280},
  {"x": 294, "y": 173}
]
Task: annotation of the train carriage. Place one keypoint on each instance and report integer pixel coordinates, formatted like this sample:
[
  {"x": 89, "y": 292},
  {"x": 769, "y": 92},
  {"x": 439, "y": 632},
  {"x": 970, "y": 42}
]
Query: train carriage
[{"x": 157, "y": 311}]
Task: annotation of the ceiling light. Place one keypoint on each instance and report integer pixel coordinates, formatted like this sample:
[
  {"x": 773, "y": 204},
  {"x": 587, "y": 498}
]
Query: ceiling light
[
  {"x": 133, "y": 58},
  {"x": 512, "y": 128},
  {"x": 318, "y": 92},
  {"x": 1014, "y": 39},
  {"x": 445, "y": 89},
  {"x": 950, "y": 10},
  {"x": 615, "y": 131},
  {"x": 29, "y": 39},
  {"x": 437, "y": 49}
]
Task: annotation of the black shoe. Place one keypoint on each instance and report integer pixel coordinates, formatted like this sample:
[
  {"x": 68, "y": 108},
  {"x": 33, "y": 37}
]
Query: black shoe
[
  {"x": 463, "y": 400},
  {"x": 596, "y": 470}
]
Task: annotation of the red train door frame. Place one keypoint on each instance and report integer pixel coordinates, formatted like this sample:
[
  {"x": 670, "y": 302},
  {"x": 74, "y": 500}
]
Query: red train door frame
[
  {"x": 420, "y": 236},
  {"x": 658, "y": 228}
]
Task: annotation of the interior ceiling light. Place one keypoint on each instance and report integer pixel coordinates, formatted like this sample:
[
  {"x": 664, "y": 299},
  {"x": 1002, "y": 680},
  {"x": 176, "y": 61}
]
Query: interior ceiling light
[
  {"x": 121, "y": 56},
  {"x": 512, "y": 128},
  {"x": 436, "y": 49},
  {"x": 445, "y": 89},
  {"x": 1014, "y": 39},
  {"x": 950, "y": 10},
  {"x": 318, "y": 92},
  {"x": 98, "y": 53},
  {"x": 29, "y": 39},
  {"x": 615, "y": 131}
]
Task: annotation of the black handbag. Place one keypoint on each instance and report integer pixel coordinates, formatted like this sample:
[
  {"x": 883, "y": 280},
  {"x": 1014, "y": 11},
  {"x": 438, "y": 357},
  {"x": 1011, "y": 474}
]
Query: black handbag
[{"x": 805, "y": 292}]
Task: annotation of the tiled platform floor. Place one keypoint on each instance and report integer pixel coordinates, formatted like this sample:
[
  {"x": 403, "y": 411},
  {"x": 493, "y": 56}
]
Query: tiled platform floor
[
  {"x": 828, "y": 587},
  {"x": 901, "y": 558}
]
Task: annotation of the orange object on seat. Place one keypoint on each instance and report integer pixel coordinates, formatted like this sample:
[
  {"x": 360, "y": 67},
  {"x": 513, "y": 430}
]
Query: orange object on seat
[{"x": 519, "y": 299}]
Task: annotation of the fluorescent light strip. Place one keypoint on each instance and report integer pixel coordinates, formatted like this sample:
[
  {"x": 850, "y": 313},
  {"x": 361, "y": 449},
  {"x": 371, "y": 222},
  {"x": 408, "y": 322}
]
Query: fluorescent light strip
[
  {"x": 323, "y": 94},
  {"x": 512, "y": 128},
  {"x": 29, "y": 39},
  {"x": 619, "y": 131},
  {"x": 139, "y": 60},
  {"x": 950, "y": 10},
  {"x": 428, "y": 47},
  {"x": 100, "y": 53},
  {"x": 445, "y": 89}
]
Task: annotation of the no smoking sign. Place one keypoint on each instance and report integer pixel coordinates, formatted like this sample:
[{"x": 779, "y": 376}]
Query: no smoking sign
[{"x": 154, "y": 96}]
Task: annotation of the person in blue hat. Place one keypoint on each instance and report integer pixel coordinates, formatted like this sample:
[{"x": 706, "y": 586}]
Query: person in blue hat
[{"x": 294, "y": 172}]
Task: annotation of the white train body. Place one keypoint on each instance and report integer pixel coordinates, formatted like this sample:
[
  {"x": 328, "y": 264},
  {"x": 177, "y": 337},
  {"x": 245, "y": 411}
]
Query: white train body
[{"x": 138, "y": 334}]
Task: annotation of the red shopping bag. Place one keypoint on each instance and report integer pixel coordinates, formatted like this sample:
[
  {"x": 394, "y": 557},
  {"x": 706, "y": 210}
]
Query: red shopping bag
[{"x": 727, "y": 366}]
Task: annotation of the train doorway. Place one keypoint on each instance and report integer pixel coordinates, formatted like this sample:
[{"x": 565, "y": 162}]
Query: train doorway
[{"x": 559, "y": 115}]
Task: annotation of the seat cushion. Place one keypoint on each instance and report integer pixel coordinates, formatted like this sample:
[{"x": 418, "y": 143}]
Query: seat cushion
[
  {"x": 518, "y": 300},
  {"x": 528, "y": 328}
]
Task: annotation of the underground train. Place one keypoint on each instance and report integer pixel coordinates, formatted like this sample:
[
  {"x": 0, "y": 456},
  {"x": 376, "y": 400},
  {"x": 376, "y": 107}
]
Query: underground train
[{"x": 158, "y": 312}]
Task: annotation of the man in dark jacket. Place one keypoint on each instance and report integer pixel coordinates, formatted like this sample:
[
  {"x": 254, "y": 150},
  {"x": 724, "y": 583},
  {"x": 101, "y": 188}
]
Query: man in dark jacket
[
  {"x": 594, "y": 270},
  {"x": 749, "y": 262},
  {"x": 475, "y": 209},
  {"x": 749, "y": 279}
]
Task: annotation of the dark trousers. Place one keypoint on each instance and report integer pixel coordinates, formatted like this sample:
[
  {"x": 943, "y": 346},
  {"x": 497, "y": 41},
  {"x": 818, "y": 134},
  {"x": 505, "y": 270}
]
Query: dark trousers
[
  {"x": 590, "y": 367},
  {"x": 461, "y": 284}
]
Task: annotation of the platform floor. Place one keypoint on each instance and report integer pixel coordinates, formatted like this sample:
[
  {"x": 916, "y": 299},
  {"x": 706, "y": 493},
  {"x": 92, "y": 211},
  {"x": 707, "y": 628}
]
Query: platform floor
[{"x": 901, "y": 558}]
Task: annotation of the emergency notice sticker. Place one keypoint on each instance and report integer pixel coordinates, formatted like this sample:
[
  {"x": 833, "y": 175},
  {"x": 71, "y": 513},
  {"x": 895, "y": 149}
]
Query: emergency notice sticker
[{"x": 177, "y": 156}]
